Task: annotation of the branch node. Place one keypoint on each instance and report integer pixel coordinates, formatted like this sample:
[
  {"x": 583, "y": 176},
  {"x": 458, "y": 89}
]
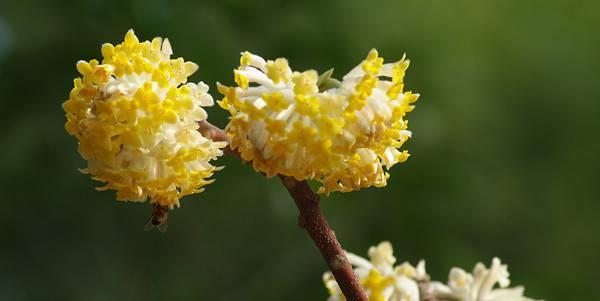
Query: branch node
[{"x": 338, "y": 262}]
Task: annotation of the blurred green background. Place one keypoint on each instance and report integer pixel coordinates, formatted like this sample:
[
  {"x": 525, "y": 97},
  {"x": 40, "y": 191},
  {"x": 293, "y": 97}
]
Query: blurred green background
[{"x": 504, "y": 155}]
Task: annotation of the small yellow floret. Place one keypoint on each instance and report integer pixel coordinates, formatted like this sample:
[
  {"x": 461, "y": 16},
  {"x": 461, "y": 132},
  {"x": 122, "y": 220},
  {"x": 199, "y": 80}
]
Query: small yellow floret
[
  {"x": 278, "y": 70},
  {"x": 375, "y": 284}
]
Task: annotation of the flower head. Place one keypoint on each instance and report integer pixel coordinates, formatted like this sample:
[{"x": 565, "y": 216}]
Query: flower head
[
  {"x": 479, "y": 285},
  {"x": 342, "y": 136},
  {"x": 136, "y": 120},
  {"x": 383, "y": 281}
]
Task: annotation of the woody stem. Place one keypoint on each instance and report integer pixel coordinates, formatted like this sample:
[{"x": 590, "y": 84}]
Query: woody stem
[{"x": 314, "y": 222}]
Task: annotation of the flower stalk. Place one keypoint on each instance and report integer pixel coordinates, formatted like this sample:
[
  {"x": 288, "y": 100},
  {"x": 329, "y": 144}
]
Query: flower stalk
[{"x": 313, "y": 221}]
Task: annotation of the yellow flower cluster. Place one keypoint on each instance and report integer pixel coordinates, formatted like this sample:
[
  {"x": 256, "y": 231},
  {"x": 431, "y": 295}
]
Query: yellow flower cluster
[
  {"x": 136, "y": 121},
  {"x": 341, "y": 137}
]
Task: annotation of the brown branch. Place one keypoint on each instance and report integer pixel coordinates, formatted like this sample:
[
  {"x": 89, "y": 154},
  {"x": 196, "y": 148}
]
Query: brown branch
[
  {"x": 210, "y": 131},
  {"x": 313, "y": 221}
]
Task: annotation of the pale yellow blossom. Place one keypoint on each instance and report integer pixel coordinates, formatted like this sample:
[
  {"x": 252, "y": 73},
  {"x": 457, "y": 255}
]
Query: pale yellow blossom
[
  {"x": 136, "y": 119},
  {"x": 343, "y": 137}
]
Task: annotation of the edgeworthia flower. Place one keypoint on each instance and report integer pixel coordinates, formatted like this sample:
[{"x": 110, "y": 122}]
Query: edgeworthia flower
[
  {"x": 383, "y": 281},
  {"x": 342, "y": 136},
  {"x": 479, "y": 286},
  {"x": 136, "y": 120}
]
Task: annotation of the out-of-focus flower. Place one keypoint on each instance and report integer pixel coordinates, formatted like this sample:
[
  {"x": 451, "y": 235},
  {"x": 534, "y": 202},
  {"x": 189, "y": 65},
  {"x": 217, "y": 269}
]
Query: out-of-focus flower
[
  {"x": 136, "y": 120},
  {"x": 478, "y": 286},
  {"x": 342, "y": 136},
  {"x": 381, "y": 279}
]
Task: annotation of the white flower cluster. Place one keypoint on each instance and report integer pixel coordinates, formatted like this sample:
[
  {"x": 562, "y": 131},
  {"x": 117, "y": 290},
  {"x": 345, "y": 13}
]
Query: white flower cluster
[
  {"x": 383, "y": 281},
  {"x": 479, "y": 285}
]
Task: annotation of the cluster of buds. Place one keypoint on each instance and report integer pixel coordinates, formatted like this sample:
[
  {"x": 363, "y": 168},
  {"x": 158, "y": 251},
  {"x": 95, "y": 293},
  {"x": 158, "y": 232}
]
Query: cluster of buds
[{"x": 383, "y": 281}]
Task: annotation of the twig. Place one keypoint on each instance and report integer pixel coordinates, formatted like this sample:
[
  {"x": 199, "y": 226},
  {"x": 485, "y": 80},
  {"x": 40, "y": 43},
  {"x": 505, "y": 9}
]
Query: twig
[
  {"x": 313, "y": 221},
  {"x": 211, "y": 131}
]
